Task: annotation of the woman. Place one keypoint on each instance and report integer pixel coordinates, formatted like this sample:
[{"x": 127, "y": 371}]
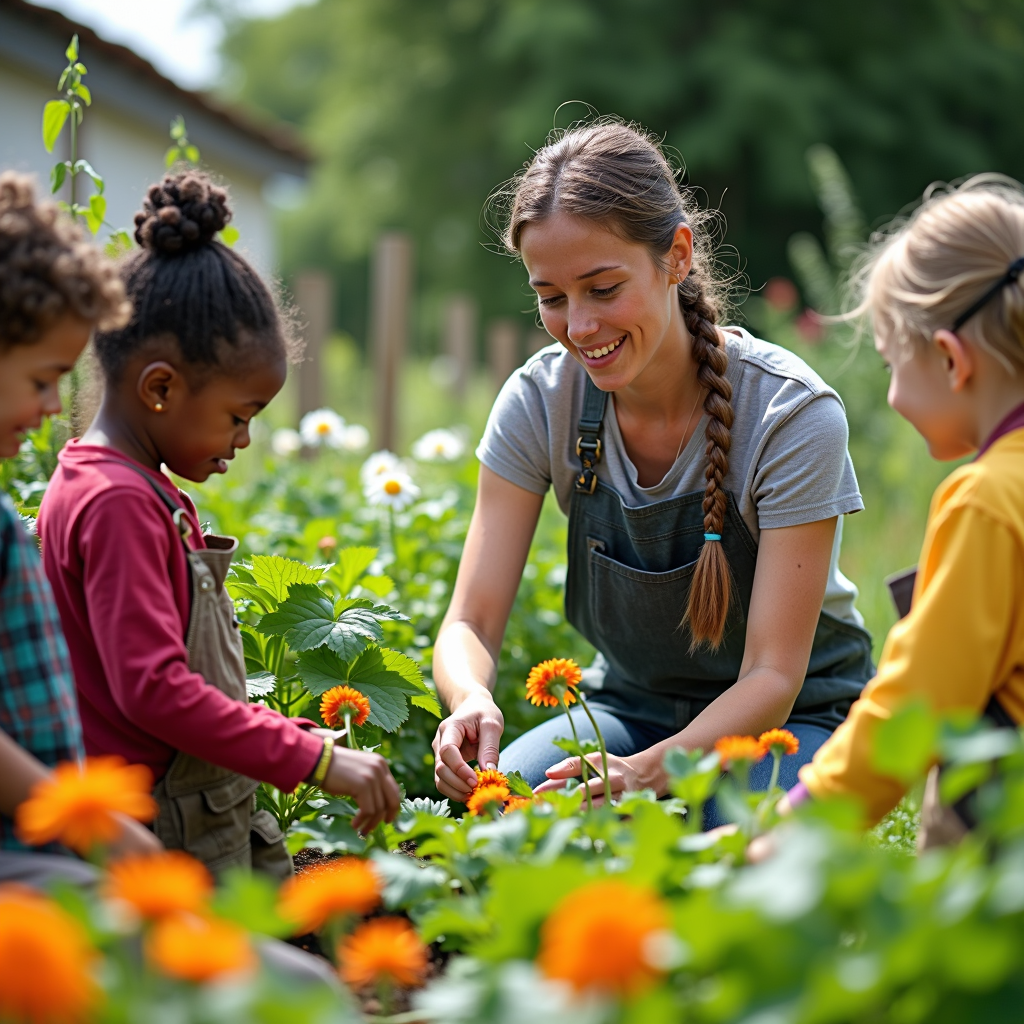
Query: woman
[{"x": 703, "y": 473}]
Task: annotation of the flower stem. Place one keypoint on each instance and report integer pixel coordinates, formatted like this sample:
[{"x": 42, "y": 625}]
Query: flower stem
[
  {"x": 777, "y": 759},
  {"x": 393, "y": 533},
  {"x": 349, "y": 736},
  {"x": 584, "y": 765},
  {"x": 600, "y": 743}
]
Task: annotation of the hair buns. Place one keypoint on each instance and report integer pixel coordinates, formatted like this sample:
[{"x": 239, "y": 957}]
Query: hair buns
[{"x": 181, "y": 214}]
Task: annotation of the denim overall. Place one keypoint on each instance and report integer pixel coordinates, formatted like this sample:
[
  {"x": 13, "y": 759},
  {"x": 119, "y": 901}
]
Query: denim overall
[{"x": 626, "y": 591}]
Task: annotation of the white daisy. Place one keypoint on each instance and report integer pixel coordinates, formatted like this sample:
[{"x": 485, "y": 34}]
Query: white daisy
[
  {"x": 324, "y": 426},
  {"x": 285, "y": 441},
  {"x": 439, "y": 446},
  {"x": 393, "y": 488},
  {"x": 356, "y": 438},
  {"x": 377, "y": 463}
]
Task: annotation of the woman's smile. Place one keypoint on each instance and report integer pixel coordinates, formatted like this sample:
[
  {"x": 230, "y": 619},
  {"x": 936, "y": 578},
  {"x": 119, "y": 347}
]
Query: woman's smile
[{"x": 602, "y": 355}]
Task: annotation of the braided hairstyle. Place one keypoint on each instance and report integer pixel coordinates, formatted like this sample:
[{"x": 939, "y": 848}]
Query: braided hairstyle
[
  {"x": 191, "y": 291},
  {"x": 615, "y": 174}
]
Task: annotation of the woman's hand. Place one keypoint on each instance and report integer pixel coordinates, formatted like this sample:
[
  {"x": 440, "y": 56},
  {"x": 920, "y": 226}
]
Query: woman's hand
[
  {"x": 625, "y": 775},
  {"x": 472, "y": 731},
  {"x": 367, "y": 779}
]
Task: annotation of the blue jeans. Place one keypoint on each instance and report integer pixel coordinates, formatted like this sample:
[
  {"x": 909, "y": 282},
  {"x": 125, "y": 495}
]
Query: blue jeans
[{"x": 533, "y": 753}]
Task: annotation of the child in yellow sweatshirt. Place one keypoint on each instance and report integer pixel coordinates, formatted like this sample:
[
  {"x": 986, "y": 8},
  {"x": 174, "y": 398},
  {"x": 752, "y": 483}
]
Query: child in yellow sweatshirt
[{"x": 945, "y": 293}]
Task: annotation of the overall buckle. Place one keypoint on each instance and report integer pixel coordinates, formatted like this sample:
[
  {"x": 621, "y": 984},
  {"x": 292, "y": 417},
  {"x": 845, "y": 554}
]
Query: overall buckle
[{"x": 589, "y": 453}]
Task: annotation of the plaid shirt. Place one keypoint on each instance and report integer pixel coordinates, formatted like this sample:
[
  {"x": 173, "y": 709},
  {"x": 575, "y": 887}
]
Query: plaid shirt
[{"x": 38, "y": 709}]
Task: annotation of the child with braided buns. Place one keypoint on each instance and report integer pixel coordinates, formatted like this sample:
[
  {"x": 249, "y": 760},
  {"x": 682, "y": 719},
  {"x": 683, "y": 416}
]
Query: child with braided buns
[
  {"x": 156, "y": 650},
  {"x": 704, "y": 474}
]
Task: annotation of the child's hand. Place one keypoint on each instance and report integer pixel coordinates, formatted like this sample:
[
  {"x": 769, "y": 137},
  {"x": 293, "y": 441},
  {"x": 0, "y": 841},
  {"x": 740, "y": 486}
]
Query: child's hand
[
  {"x": 367, "y": 778},
  {"x": 135, "y": 840}
]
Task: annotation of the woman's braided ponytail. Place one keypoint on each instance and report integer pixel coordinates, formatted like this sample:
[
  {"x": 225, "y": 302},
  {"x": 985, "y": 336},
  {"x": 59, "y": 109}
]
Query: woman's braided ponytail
[{"x": 614, "y": 174}]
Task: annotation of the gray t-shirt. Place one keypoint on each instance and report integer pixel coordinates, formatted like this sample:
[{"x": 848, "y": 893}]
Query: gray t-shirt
[{"x": 788, "y": 463}]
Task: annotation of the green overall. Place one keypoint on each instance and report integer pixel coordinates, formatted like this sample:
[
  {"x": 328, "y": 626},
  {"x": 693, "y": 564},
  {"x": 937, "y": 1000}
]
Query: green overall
[
  {"x": 205, "y": 810},
  {"x": 626, "y": 591}
]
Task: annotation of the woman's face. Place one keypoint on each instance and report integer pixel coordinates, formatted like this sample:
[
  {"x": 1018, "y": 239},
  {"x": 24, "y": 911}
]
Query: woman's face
[{"x": 604, "y": 298}]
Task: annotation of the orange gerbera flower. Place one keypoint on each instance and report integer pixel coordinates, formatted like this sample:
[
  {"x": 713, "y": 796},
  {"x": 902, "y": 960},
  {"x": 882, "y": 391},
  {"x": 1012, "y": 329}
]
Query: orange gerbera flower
[
  {"x": 338, "y": 701},
  {"x": 739, "y": 748},
  {"x": 517, "y": 803},
  {"x": 159, "y": 884},
  {"x": 553, "y": 682},
  {"x": 779, "y": 741},
  {"x": 344, "y": 886},
  {"x": 385, "y": 949},
  {"x": 195, "y": 948},
  {"x": 484, "y": 797},
  {"x": 490, "y": 777},
  {"x": 45, "y": 961},
  {"x": 600, "y": 936},
  {"x": 77, "y": 804}
]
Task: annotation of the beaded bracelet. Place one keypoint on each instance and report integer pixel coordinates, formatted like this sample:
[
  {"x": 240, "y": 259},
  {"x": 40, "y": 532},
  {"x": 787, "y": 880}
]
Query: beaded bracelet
[{"x": 320, "y": 772}]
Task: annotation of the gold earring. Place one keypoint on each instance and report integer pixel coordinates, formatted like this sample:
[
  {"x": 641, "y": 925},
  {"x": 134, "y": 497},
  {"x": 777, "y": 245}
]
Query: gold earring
[{"x": 159, "y": 407}]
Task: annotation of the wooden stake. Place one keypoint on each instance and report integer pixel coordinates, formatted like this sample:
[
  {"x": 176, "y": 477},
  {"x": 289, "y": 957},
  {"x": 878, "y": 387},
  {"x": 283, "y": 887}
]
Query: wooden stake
[
  {"x": 459, "y": 341},
  {"x": 390, "y": 284},
  {"x": 502, "y": 349}
]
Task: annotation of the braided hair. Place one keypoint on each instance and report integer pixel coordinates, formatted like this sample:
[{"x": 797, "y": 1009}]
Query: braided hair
[
  {"x": 191, "y": 290},
  {"x": 612, "y": 173}
]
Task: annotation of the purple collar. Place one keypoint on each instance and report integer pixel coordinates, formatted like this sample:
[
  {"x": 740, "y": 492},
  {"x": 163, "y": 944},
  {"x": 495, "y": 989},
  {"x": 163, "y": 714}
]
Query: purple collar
[{"x": 1013, "y": 420}]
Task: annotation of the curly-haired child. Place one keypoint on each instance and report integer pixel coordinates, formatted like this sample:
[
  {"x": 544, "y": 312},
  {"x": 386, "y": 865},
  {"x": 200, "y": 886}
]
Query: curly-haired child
[
  {"x": 155, "y": 646},
  {"x": 54, "y": 289}
]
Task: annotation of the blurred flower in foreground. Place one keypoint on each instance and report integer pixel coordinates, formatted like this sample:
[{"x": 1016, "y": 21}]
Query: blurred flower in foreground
[
  {"x": 518, "y": 803},
  {"x": 393, "y": 489},
  {"x": 341, "y": 700},
  {"x": 604, "y": 937},
  {"x": 158, "y": 884},
  {"x": 385, "y": 950},
  {"x": 377, "y": 464},
  {"x": 439, "y": 446},
  {"x": 324, "y": 426},
  {"x": 285, "y": 441},
  {"x": 199, "y": 949},
  {"x": 739, "y": 748},
  {"x": 553, "y": 682},
  {"x": 489, "y": 799},
  {"x": 78, "y": 804},
  {"x": 45, "y": 961},
  {"x": 780, "y": 293},
  {"x": 779, "y": 742},
  {"x": 344, "y": 886},
  {"x": 356, "y": 438}
]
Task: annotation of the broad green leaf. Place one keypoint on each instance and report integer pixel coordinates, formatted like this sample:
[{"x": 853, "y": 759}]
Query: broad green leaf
[
  {"x": 230, "y": 234},
  {"x": 305, "y": 619},
  {"x": 352, "y": 565},
  {"x": 331, "y": 835},
  {"x": 517, "y": 785},
  {"x": 83, "y": 91},
  {"x": 277, "y": 574},
  {"x": 259, "y": 684},
  {"x": 455, "y": 918},
  {"x": 72, "y": 51},
  {"x": 55, "y": 113},
  {"x": 84, "y": 167},
  {"x": 379, "y": 585},
  {"x": 95, "y": 213},
  {"x": 57, "y": 176},
  {"x": 254, "y": 658},
  {"x": 571, "y": 747},
  {"x": 429, "y": 703},
  {"x": 406, "y": 881},
  {"x": 118, "y": 244},
  {"x": 249, "y": 898},
  {"x": 904, "y": 744}
]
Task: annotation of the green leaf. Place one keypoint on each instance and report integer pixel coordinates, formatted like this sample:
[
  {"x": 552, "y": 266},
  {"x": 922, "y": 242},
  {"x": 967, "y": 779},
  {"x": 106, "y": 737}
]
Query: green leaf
[
  {"x": 276, "y": 574},
  {"x": 305, "y": 619},
  {"x": 429, "y": 703},
  {"x": 352, "y": 565},
  {"x": 230, "y": 235},
  {"x": 72, "y": 51},
  {"x": 379, "y": 585},
  {"x": 84, "y": 167},
  {"x": 331, "y": 835},
  {"x": 172, "y": 155},
  {"x": 250, "y": 899},
  {"x": 517, "y": 785},
  {"x": 570, "y": 746},
  {"x": 119, "y": 243},
  {"x": 55, "y": 113},
  {"x": 95, "y": 213},
  {"x": 904, "y": 744},
  {"x": 259, "y": 684},
  {"x": 81, "y": 68},
  {"x": 406, "y": 882},
  {"x": 178, "y": 128},
  {"x": 455, "y": 918},
  {"x": 83, "y": 91},
  {"x": 57, "y": 176},
  {"x": 192, "y": 155}
]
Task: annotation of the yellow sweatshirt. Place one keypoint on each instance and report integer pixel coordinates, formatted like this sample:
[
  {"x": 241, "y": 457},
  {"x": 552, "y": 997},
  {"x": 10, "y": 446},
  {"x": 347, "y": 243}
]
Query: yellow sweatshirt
[{"x": 963, "y": 640}]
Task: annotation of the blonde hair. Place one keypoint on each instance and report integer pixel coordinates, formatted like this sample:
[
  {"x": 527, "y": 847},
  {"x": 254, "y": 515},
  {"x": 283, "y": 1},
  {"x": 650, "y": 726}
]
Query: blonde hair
[
  {"x": 928, "y": 270},
  {"x": 616, "y": 174}
]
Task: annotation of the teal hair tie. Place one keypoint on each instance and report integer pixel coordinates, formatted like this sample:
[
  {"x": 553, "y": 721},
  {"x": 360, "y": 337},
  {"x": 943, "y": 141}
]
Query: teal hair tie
[{"x": 712, "y": 536}]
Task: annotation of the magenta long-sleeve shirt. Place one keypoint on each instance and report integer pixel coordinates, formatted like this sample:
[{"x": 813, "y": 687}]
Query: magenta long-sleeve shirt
[{"x": 121, "y": 581}]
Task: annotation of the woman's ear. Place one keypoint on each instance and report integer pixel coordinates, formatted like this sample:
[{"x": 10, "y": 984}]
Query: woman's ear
[
  {"x": 959, "y": 358},
  {"x": 160, "y": 386},
  {"x": 680, "y": 256}
]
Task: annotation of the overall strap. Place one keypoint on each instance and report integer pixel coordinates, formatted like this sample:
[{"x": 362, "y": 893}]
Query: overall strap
[
  {"x": 178, "y": 513},
  {"x": 588, "y": 446}
]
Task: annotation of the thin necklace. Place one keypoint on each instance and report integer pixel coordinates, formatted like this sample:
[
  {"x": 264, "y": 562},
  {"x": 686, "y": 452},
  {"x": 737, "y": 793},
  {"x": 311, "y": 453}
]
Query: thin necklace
[{"x": 686, "y": 429}]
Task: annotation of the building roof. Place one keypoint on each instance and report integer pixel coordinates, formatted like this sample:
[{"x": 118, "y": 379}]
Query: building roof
[{"x": 35, "y": 37}]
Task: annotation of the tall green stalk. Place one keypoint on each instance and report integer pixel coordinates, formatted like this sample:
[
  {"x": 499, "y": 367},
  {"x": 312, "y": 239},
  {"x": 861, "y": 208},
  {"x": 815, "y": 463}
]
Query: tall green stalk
[
  {"x": 584, "y": 764},
  {"x": 601, "y": 745}
]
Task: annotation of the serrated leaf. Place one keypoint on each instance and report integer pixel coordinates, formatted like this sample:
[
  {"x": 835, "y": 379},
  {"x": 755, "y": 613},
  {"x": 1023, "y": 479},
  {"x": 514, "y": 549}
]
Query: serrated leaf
[
  {"x": 259, "y": 684},
  {"x": 352, "y": 565},
  {"x": 305, "y": 619},
  {"x": 57, "y": 176},
  {"x": 55, "y": 113},
  {"x": 230, "y": 234},
  {"x": 95, "y": 213},
  {"x": 428, "y": 702},
  {"x": 518, "y": 786},
  {"x": 276, "y": 574},
  {"x": 396, "y": 661}
]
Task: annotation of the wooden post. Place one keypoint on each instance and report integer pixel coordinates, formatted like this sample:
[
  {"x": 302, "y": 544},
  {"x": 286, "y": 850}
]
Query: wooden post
[
  {"x": 459, "y": 340},
  {"x": 314, "y": 297},
  {"x": 537, "y": 339},
  {"x": 502, "y": 349},
  {"x": 390, "y": 283}
]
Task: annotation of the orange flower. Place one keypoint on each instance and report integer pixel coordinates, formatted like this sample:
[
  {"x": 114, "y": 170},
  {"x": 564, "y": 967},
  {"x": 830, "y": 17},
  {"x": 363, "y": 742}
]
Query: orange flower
[
  {"x": 599, "y": 938},
  {"x": 517, "y": 803},
  {"x": 484, "y": 797},
  {"x": 344, "y": 886},
  {"x": 77, "y": 804},
  {"x": 739, "y": 748},
  {"x": 199, "y": 948},
  {"x": 45, "y": 961},
  {"x": 385, "y": 949},
  {"x": 159, "y": 884},
  {"x": 490, "y": 777},
  {"x": 341, "y": 699},
  {"x": 779, "y": 741},
  {"x": 553, "y": 682}
]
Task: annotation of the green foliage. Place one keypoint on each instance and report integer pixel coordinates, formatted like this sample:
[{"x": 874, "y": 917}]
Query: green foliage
[{"x": 181, "y": 150}]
